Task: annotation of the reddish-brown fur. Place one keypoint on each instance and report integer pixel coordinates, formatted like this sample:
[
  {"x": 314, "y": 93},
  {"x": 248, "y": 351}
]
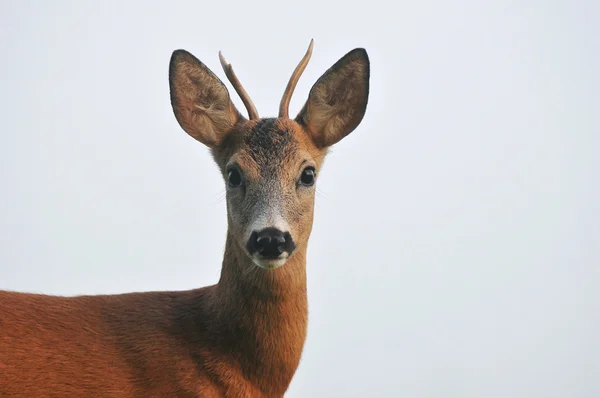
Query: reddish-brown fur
[
  {"x": 222, "y": 340},
  {"x": 242, "y": 337}
]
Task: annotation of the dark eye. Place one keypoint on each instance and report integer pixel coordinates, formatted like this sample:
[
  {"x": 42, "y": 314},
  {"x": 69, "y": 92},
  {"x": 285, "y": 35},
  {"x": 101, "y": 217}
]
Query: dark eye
[
  {"x": 234, "y": 178},
  {"x": 308, "y": 176}
]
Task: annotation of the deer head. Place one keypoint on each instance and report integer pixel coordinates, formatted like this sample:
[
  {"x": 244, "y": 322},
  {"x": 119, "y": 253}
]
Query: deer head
[{"x": 270, "y": 165}]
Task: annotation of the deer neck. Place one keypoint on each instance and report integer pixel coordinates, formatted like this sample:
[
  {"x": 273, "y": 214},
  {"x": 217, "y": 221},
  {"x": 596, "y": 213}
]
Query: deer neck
[{"x": 263, "y": 313}]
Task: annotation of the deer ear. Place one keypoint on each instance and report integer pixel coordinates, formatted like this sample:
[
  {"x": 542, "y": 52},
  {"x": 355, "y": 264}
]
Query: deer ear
[
  {"x": 338, "y": 100},
  {"x": 200, "y": 100}
]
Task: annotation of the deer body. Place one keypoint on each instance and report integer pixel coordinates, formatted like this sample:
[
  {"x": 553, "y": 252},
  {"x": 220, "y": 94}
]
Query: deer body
[
  {"x": 223, "y": 340},
  {"x": 242, "y": 337}
]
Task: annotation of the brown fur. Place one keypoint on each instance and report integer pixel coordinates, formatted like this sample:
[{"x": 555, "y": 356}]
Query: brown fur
[{"x": 242, "y": 337}]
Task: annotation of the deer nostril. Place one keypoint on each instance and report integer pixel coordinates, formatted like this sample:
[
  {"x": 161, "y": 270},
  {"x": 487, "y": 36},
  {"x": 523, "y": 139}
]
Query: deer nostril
[
  {"x": 262, "y": 244},
  {"x": 270, "y": 243},
  {"x": 269, "y": 246},
  {"x": 263, "y": 241}
]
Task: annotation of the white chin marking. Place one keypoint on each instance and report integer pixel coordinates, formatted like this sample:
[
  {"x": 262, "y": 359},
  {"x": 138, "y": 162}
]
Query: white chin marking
[{"x": 270, "y": 263}]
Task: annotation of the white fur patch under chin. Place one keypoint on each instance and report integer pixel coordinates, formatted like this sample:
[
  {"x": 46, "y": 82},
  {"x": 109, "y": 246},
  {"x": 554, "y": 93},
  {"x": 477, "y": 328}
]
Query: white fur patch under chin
[{"x": 270, "y": 263}]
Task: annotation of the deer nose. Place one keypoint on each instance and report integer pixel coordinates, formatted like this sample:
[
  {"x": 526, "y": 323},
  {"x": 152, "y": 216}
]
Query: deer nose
[{"x": 270, "y": 243}]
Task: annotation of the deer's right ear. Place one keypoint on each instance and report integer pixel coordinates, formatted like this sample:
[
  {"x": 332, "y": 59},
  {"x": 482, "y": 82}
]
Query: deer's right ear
[
  {"x": 200, "y": 100},
  {"x": 338, "y": 100}
]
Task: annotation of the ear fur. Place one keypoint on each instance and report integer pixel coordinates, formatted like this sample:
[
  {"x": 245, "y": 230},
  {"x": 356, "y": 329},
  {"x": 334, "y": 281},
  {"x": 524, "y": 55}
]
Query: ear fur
[
  {"x": 338, "y": 100},
  {"x": 200, "y": 100}
]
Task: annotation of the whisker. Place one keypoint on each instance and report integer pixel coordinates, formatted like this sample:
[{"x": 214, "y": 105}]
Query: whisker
[
  {"x": 322, "y": 194},
  {"x": 247, "y": 271},
  {"x": 220, "y": 198}
]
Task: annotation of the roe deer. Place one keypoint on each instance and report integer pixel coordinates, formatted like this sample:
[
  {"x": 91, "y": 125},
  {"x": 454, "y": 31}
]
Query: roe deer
[{"x": 242, "y": 337}]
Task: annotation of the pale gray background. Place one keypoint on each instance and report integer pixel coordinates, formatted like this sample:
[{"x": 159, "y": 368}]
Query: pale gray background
[{"x": 455, "y": 250}]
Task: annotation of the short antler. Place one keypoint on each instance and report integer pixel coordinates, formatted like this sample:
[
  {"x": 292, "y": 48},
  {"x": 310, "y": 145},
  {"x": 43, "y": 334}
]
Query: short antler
[
  {"x": 289, "y": 90},
  {"x": 235, "y": 82}
]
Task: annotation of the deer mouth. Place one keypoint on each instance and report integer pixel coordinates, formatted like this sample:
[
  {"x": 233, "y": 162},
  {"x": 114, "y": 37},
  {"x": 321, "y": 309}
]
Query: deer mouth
[{"x": 269, "y": 262}]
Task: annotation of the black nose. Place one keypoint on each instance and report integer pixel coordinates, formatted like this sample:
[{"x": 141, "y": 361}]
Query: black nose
[{"x": 270, "y": 243}]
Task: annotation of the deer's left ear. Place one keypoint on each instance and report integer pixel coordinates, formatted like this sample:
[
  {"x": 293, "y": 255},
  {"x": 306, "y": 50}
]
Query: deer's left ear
[{"x": 338, "y": 100}]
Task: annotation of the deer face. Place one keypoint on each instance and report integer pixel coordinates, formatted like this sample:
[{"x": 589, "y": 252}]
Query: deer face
[{"x": 270, "y": 166}]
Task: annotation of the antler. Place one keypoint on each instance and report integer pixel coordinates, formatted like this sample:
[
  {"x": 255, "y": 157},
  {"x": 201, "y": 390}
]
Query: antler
[
  {"x": 235, "y": 82},
  {"x": 289, "y": 90}
]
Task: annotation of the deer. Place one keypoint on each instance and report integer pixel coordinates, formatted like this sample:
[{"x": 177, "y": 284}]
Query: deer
[{"x": 244, "y": 335}]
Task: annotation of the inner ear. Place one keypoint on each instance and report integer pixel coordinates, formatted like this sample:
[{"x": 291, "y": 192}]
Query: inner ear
[
  {"x": 337, "y": 102},
  {"x": 200, "y": 100}
]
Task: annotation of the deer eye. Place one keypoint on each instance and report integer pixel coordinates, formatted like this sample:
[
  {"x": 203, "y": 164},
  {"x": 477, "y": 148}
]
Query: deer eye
[
  {"x": 234, "y": 178},
  {"x": 307, "y": 177}
]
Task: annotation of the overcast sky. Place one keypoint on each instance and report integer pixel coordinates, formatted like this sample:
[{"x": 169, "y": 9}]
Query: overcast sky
[{"x": 456, "y": 244}]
